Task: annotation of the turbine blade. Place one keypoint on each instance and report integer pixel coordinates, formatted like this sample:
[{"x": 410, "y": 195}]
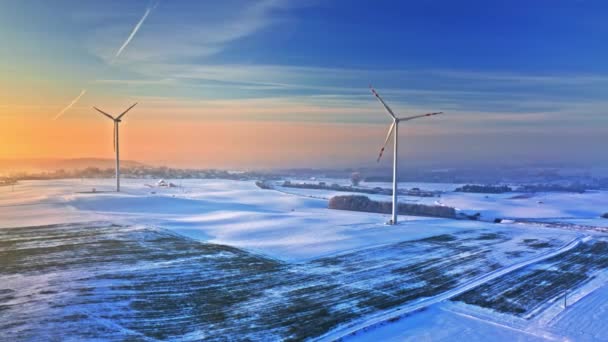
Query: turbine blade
[
  {"x": 388, "y": 136},
  {"x": 419, "y": 116},
  {"x": 114, "y": 138},
  {"x": 104, "y": 113},
  {"x": 125, "y": 112},
  {"x": 388, "y": 109}
]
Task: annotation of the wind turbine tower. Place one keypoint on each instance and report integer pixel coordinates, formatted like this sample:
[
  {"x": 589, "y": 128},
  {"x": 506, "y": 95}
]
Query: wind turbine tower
[
  {"x": 116, "y": 121},
  {"x": 394, "y": 129}
]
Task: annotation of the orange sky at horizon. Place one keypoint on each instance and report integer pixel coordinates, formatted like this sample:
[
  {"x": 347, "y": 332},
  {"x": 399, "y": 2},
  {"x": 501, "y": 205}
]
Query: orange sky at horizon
[
  {"x": 240, "y": 133},
  {"x": 187, "y": 143},
  {"x": 270, "y": 133},
  {"x": 218, "y": 93},
  {"x": 184, "y": 141}
]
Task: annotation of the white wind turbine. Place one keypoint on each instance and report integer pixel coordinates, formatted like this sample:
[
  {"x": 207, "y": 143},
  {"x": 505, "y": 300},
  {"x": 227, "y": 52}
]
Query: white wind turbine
[
  {"x": 115, "y": 140},
  {"x": 395, "y": 127}
]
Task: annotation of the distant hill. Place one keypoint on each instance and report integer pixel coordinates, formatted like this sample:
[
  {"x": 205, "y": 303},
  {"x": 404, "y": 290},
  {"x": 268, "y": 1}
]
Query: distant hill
[{"x": 51, "y": 164}]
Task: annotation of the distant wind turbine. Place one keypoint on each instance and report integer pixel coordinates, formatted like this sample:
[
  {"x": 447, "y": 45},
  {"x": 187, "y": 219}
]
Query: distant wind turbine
[
  {"x": 117, "y": 121},
  {"x": 394, "y": 129}
]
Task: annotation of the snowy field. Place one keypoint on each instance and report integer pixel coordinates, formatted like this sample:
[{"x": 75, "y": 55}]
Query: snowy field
[
  {"x": 575, "y": 208},
  {"x": 276, "y": 266}
]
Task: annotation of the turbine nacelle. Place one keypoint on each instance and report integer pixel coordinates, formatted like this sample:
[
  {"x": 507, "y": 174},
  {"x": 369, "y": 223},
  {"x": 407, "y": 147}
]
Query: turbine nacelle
[
  {"x": 115, "y": 119},
  {"x": 396, "y": 120}
]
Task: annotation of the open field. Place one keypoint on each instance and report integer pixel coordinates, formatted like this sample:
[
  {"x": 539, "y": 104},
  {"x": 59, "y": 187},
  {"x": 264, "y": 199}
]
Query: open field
[
  {"x": 103, "y": 280},
  {"x": 217, "y": 258},
  {"x": 585, "y": 208},
  {"x": 235, "y": 213},
  {"x": 585, "y": 320},
  {"x": 525, "y": 291}
]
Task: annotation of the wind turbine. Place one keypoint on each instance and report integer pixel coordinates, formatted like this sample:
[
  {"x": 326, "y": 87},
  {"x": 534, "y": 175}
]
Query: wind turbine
[
  {"x": 395, "y": 127},
  {"x": 116, "y": 120}
]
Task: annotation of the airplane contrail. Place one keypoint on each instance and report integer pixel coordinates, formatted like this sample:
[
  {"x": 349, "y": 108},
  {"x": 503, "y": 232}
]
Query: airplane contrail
[
  {"x": 70, "y": 105},
  {"x": 124, "y": 45},
  {"x": 136, "y": 28}
]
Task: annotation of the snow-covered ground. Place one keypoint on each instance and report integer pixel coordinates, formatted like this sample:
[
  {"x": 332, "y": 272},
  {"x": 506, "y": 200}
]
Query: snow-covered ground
[
  {"x": 437, "y": 323},
  {"x": 584, "y": 209},
  {"x": 559, "y": 205},
  {"x": 294, "y": 226},
  {"x": 585, "y": 320},
  {"x": 236, "y": 213}
]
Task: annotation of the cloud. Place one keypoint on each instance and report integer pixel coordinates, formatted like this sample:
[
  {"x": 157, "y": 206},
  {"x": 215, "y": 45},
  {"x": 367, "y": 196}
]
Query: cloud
[
  {"x": 352, "y": 80},
  {"x": 176, "y": 57},
  {"x": 563, "y": 79},
  {"x": 189, "y": 29},
  {"x": 407, "y": 90}
]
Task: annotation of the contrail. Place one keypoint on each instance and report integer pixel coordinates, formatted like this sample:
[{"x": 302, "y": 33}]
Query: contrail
[
  {"x": 124, "y": 45},
  {"x": 70, "y": 105},
  {"x": 136, "y": 28}
]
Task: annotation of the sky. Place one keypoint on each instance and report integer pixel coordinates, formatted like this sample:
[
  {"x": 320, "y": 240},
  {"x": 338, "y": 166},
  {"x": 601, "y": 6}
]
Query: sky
[{"x": 284, "y": 83}]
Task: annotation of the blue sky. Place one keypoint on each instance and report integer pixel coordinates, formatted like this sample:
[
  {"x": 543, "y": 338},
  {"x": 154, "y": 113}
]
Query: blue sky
[{"x": 505, "y": 71}]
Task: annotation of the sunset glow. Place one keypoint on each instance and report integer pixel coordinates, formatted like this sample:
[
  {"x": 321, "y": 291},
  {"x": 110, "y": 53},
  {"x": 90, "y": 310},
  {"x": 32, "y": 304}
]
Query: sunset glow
[{"x": 224, "y": 84}]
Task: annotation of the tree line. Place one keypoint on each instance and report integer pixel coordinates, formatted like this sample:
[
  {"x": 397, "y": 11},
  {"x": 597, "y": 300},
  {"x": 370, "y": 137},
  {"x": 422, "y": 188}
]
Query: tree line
[
  {"x": 484, "y": 189},
  {"x": 363, "y": 203}
]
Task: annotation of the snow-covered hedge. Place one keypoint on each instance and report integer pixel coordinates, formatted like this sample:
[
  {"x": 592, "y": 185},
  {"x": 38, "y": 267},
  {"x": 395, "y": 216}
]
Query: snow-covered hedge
[
  {"x": 363, "y": 203},
  {"x": 484, "y": 189},
  {"x": 263, "y": 185}
]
